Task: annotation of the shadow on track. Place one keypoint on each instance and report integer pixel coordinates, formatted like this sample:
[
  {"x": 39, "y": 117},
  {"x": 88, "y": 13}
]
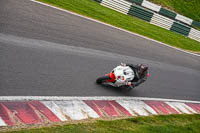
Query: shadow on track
[{"x": 121, "y": 90}]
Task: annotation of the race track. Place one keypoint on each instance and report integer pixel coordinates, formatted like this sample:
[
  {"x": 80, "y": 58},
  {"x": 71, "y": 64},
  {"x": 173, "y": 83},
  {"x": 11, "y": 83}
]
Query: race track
[{"x": 47, "y": 52}]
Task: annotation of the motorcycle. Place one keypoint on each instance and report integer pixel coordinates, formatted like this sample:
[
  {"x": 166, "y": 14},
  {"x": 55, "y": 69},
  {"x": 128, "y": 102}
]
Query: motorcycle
[{"x": 119, "y": 76}]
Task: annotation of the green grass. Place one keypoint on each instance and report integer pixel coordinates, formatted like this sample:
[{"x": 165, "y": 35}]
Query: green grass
[
  {"x": 151, "y": 124},
  {"x": 188, "y": 8},
  {"x": 94, "y": 10}
]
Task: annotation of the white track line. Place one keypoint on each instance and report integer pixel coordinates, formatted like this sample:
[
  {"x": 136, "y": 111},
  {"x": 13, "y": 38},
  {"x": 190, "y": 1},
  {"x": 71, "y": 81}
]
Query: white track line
[
  {"x": 63, "y": 98},
  {"x": 113, "y": 27}
]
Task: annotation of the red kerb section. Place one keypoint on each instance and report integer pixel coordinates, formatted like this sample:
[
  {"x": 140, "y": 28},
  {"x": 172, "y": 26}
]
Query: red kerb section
[
  {"x": 45, "y": 111},
  {"x": 107, "y": 108},
  {"x": 4, "y": 113},
  {"x": 161, "y": 107},
  {"x": 194, "y": 106},
  {"x": 25, "y": 112}
]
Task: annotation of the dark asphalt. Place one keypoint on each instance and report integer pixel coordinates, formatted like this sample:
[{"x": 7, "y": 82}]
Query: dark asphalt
[{"x": 46, "y": 52}]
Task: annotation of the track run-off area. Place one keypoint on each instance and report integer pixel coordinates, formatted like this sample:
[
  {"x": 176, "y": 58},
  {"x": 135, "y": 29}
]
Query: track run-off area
[{"x": 48, "y": 52}]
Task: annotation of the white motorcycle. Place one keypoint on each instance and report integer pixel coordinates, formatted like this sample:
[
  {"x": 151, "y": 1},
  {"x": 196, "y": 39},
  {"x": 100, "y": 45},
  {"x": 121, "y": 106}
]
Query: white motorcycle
[
  {"x": 123, "y": 75},
  {"x": 119, "y": 76}
]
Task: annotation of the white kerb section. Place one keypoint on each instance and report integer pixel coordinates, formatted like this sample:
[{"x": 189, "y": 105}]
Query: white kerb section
[
  {"x": 55, "y": 109},
  {"x": 161, "y": 21},
  {"x": 74, "y": 110},
  {"x": 118, "y": 5},
  {"x": 194, "y": 34},
  {"x": 151, "y": 6},
  {"x": 137, "y": 107},
  {"x": 2, "y": 123},
  {"x": 183, "y": 19},
  {"x": 182, "y": 108}
]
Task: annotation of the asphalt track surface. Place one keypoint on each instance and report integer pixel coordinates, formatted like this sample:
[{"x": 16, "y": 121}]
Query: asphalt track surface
[{"x": 47, "y": 52}]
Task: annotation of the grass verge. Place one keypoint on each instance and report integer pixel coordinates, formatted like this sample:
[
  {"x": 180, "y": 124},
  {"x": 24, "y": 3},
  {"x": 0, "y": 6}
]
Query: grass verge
[
  {"x": 188, "y": 8},
  {"x": 94, "y": 10},
  {"x": 150, "y": 124}
]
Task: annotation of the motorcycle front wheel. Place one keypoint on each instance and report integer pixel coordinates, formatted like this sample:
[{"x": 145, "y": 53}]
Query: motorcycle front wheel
[{"x": 102, "y": 79}]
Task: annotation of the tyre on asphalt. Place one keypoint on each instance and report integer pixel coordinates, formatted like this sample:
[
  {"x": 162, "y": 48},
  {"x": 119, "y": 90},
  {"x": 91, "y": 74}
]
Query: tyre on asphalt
[{"x": 102, "y": 79}]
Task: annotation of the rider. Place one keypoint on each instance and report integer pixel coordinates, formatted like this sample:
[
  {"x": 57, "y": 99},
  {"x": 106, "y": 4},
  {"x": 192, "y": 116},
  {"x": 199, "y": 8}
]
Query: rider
[{"x": 141, "y": 74}]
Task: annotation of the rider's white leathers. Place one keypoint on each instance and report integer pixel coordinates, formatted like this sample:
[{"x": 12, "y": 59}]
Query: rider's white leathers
[{"x": 123, "y": 74}]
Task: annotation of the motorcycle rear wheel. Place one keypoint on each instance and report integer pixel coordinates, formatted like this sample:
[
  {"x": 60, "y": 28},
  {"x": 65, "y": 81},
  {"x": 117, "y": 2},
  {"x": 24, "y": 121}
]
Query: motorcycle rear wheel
[{"x": 102, "y": 79}]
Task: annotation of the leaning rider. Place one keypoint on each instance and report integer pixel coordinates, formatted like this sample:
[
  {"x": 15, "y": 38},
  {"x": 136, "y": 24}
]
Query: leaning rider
[{"x": 141, "y": 74}]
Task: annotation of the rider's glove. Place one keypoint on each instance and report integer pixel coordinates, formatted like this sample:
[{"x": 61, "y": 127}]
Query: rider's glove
[{"x": 129, "y": 83}]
